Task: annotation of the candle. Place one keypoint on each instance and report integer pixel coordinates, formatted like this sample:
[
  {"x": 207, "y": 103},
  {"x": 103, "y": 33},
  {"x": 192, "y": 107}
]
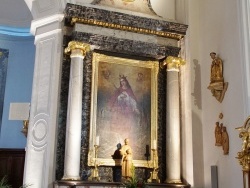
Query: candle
[
  {"x": 154, "y": 144},
  {"x": 97, "y": 141}
]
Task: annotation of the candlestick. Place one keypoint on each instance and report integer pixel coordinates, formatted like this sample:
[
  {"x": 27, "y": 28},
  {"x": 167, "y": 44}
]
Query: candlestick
[
  {"x": 154, "y": 174},
  {"x": 97, "y": 141},
  {"x": 154, "y": 144},
  {"x": 94, "y": 172}
]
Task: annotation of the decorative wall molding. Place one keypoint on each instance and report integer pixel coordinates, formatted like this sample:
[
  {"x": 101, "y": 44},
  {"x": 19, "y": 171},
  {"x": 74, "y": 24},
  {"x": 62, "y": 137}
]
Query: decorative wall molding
[
  {"x": 41, "y": 140},
  {"x": 50, "y": 22}
]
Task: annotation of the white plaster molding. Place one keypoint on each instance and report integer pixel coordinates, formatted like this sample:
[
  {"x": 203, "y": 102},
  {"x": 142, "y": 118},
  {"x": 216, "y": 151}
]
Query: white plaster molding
[
  {"x": 187, "y": 133},
  {"x": 41, "y": 142},
  {"x": 45, "y": 8},
  {"x": 41, "y": 36},
  {"x": 186, "y": 115},
  {"x": 244, "y": 10},
  {"x": 29, "y": 3},
  {"x": 36, "y": 24}
]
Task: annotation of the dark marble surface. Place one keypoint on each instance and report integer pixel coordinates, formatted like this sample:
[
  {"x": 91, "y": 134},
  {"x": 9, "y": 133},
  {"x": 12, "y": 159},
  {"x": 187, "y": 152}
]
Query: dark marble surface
[
  {"x": 161, "y": 130},
  {"x": 125, "y": 46},
  {"x": 85, "y": 12}
]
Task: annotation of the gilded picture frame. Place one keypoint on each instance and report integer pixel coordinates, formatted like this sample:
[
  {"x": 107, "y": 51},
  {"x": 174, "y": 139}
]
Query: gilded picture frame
[{"x": 123, "y": 105}]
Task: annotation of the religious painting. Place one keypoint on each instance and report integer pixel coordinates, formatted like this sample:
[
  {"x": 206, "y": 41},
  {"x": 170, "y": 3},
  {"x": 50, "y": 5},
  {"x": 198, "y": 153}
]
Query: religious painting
[
  {"x": 123, "y": 105},
  {"x": 4, "y": 53}
]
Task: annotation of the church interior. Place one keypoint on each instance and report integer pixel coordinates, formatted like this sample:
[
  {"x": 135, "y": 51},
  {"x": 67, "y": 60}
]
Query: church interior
[{"x": 125, "y": 93}]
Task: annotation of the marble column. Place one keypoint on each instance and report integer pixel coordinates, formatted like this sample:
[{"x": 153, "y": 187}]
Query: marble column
[
  {"x": 74, "y": 112},
  {"x": 173, "y": 147}
]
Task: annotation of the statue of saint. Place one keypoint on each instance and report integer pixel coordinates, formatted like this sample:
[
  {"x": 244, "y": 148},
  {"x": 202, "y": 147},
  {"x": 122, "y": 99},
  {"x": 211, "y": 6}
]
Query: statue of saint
[
  {"x": 217, "y": 85},
  {"x": 225, "y": 140},
  {"x": 127, "y": 163},
  {"x": 218, "y": 134},
  {"x": 216, "y": 69}
]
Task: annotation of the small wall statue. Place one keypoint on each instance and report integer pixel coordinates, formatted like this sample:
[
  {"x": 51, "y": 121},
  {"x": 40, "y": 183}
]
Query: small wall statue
[
  {"x": 225, "y": 140},
  {"x": 218, "y": 134},
  {"x": 217, "y": 85},
  {"x": 221, "y": 136}
]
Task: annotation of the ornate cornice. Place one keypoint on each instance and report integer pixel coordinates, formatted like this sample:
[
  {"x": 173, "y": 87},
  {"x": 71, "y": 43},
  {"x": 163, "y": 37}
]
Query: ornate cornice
[
  {"x": 127, "y": 28},
  {"x": 117, "y": 20}
]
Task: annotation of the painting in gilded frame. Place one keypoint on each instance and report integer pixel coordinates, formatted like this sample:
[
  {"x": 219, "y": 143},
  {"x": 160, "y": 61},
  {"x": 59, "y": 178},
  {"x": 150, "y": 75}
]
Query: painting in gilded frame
[{"x": 123, "y": 105}]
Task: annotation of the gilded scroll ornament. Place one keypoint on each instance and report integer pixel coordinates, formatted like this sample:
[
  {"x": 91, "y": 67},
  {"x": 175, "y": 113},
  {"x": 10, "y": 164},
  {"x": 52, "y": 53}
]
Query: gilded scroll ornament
[
  {"x": 217, "y": 85},
  {"x": 244, "y": 155},
  {"x": 75, "y": 45},
  {"x": 173, "y": 63}
]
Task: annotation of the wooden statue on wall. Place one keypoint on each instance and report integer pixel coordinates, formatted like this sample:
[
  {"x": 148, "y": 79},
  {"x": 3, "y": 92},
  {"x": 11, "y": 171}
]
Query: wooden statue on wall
[
  {"x": 218, "y": 134},
  {"x": 225, "y": 140},
  {"x": 221, "y": 136},
  {"x": 217, "y": 85}
]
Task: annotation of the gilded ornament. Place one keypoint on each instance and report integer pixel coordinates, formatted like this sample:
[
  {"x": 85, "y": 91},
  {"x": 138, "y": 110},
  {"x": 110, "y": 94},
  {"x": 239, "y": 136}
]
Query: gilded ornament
[
  {"x": 244, "y": 155},
  {"x": 217, "y": 85},
  {"x": 173, "y": 63},
  {"x": 126, "y": 28},
  {"x": 75, "y": 45}
]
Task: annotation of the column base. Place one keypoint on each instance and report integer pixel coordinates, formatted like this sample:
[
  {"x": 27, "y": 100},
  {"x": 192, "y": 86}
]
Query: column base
[
  {"x": 72, "y": 178},
  {"x": 173, "y": 181}
]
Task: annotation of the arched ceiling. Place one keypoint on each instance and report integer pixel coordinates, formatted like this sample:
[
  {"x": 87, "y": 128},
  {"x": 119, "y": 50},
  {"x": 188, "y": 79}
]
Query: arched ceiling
[{"x": 15, "y": 13}]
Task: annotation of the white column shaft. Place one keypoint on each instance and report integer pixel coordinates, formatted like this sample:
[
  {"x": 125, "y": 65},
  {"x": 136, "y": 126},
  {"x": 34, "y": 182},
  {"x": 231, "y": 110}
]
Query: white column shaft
[
  {"x": 74, "y": 120},
  {"x": 173, "y": 129}
]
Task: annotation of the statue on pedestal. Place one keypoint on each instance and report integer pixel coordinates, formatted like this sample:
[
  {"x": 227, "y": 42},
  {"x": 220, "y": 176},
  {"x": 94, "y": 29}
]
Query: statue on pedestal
[
  {"x": 127, "y": 162},
  {"x": 217, "y": 85}
]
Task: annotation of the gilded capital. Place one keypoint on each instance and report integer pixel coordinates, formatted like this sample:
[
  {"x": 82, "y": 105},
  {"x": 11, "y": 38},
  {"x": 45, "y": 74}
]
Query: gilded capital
[
  {"x": 173, "y": 63},
  {"x": 82, "y": 48}
]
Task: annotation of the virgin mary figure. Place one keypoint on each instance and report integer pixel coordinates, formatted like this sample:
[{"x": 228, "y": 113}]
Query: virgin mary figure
[{"x": 123, "y": 105}]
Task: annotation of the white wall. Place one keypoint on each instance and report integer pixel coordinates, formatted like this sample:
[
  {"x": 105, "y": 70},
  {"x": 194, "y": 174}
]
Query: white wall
[
  {"x": 193, "y": 51},
  {"x": 214, "y": 26},
  {"x": 219, "y": 31}
]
